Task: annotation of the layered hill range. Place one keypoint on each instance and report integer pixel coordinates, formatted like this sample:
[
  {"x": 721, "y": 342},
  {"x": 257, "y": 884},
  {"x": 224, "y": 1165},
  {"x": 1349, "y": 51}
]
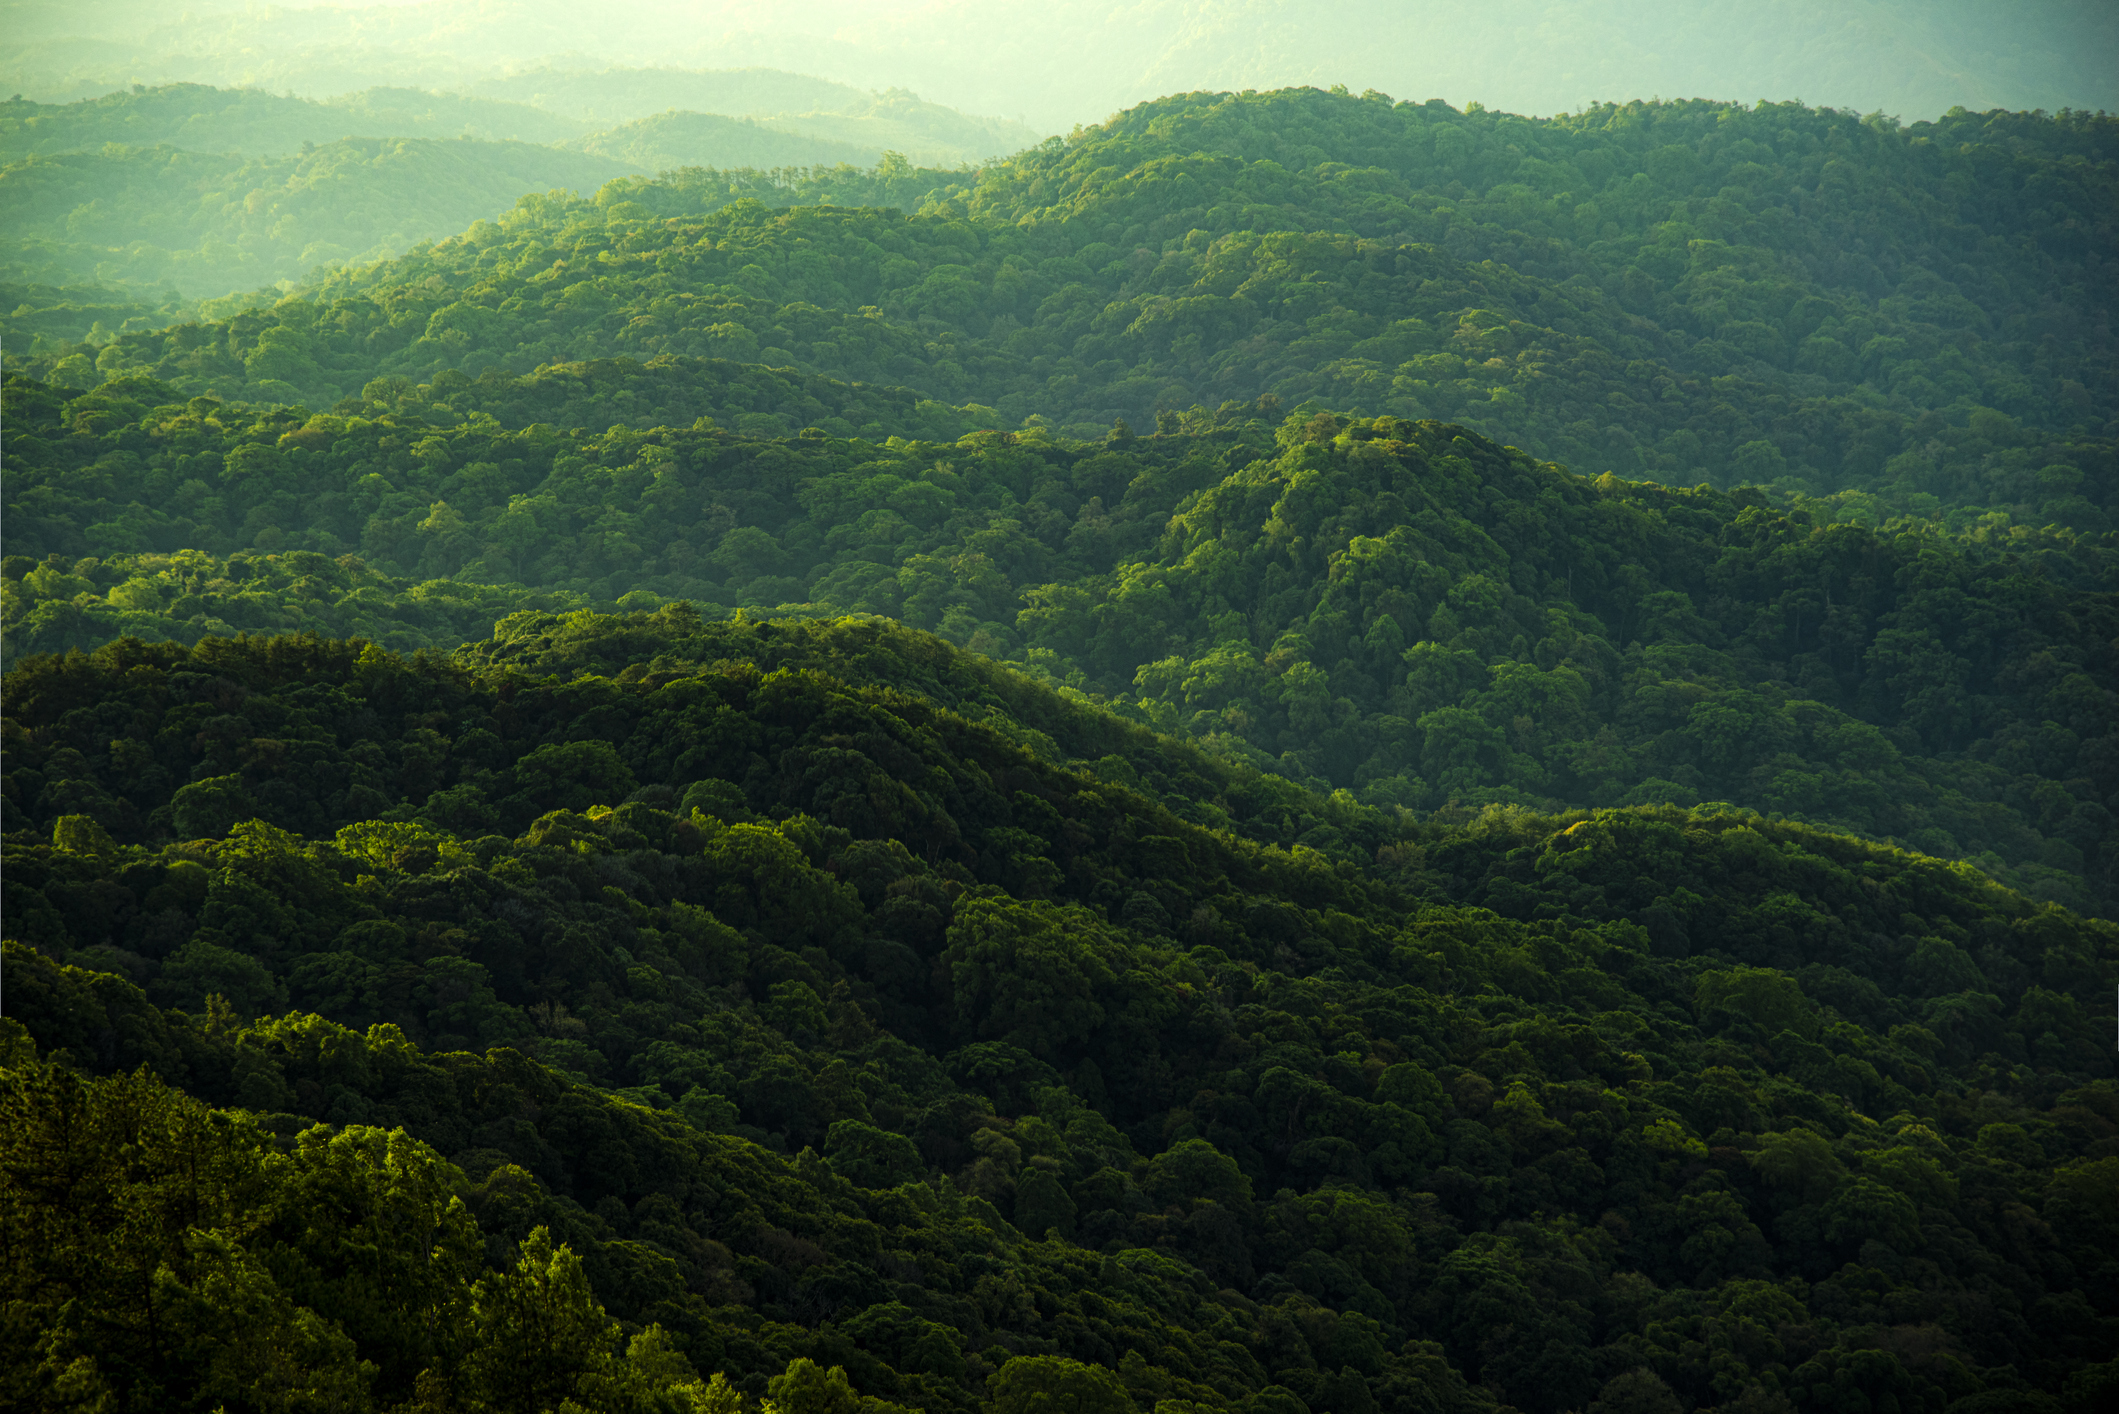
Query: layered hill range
[
  {"x": 1685, "y": 290},
  {"x": 872, "y": 789},
  {"x": 910, "y": 1036},
  {"x": 1187, "y": 459},
  {"x": 202, "y": 191}
]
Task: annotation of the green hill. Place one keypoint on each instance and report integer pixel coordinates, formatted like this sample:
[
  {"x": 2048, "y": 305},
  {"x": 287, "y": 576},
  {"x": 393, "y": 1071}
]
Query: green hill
[
  {"x": 882, "y": 790},
  {"x": 1686, "y": 291},
  {"x": 867, "y": 1051},
  {"x": 1400, "y": 610},
  {"x": 147, "y": 190},
  {"x": 556, "y": 108},
  {"x": 57, "y": 317}
]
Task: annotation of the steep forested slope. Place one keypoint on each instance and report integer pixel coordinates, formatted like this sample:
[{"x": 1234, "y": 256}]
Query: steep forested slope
[
  {"x": 831, "y": 1012},
  {"x": 1689, "y": 291},
  {"x": 1399, "y": 609}
]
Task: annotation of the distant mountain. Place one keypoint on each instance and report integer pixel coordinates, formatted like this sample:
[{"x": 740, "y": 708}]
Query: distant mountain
[
  {"x": 896, "y": 120},
  {"x": 620, "y": 94},
  {"x": 1086, "y": 58},
  {"x": 545, "y": 106},
  {"x": 1687, "y": 290},
  {"x": 924, "y": 132},
  {"x": 672, "y": 140},
  {"x": 208, "y": 223},
  {"x": 200, "y": 190},
  {"x": 201, "y": 118}
]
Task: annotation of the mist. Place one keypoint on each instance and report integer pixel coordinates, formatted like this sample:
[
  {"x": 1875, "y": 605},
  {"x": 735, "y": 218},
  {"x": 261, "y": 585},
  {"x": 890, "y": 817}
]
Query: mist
[{"x": 1052, "y": 66}]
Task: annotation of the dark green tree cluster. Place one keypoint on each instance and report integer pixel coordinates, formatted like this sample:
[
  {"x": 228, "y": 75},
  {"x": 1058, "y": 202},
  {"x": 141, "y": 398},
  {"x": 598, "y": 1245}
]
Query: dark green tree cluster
[
  {"x": 164, "y": 1254},
  {"x": 855, "y": 1019},
  {"x": 1684, "y": 290},
  {"x": 426, "y": 482}
]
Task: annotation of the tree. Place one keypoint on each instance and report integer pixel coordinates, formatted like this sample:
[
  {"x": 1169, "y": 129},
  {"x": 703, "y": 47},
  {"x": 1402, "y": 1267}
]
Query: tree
[
  {"x": 1799, "y": 1164},
  {"x": 1054, "y": 1384},
  {"x": 1195, "y": 1170},
  {"x": 130, "y": 1218},
  {"x": 1031, "y": 974},
  {"x": 1863, "y": 1209},
  {"x": 1770, "y": 998},
  {"x": 371, "y": 1235},
  {"x": 538, "y": 1332},
  {"x": 1042, "y": 1205},
  {"x": 871, "y": 1157},
  {"x": 571, "y": 775},
  {"x": 1638, "y": 1391},
  {"x": 210, "y": 808},
  {"x": 807, "y": 1388}
]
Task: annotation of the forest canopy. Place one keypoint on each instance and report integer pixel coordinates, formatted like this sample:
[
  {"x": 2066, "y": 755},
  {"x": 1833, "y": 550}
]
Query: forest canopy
[
  {"x": 1401, "y": 610},
  {"x": 1776, "y": 295},
  {"x": 865, "y": 1037},
  {"x": 1295, "y": 754}
]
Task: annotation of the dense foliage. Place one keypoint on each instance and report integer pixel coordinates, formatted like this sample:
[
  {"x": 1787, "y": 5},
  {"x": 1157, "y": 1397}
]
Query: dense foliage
[
  {"x": 857, "y": 790},
  {"x": 1393, "y": 608},
  {"x": 807, "y": 1022},
  {"x": 1686, "y": 290}
]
